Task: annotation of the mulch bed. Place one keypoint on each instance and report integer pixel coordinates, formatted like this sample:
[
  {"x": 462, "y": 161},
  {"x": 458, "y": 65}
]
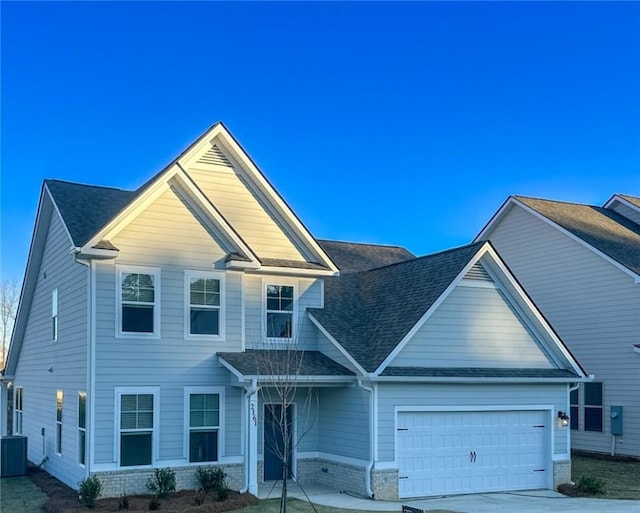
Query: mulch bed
[{"x": 63, "y": 499}]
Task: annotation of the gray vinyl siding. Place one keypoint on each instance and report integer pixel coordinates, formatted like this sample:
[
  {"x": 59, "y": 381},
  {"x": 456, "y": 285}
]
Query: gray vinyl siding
[
  {"x": 246, "y": 211},
  {"x": 628, "y": 212},
  {"x": 473, "y": 327},
  {"x": 45, "y": 366},
  {"x": 464, "y": 395},
  {"x": 344, "y": 422},
  {"x": 591, "y": 304}
]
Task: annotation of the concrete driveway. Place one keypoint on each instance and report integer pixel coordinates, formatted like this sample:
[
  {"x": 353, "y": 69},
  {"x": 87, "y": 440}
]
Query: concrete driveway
[{"x": 538, "y": 501}]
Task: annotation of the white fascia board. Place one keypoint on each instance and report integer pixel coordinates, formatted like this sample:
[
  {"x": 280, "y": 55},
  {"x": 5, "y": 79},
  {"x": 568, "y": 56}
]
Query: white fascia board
[
  {"x": 258, "y": 178},
  {"x": 454, "y": 283},
  {"x": 96, "y": 253},
  {"x": 338, "y": 346},
  {"x": 479, "y": 379},
  {"x": 295, "y": 271},
  {"x": 533, "y": 310},
  {"x": 232, "y": 369},
  {"x": 616, "y": 198},
  {"x": 495, "y": 219}
]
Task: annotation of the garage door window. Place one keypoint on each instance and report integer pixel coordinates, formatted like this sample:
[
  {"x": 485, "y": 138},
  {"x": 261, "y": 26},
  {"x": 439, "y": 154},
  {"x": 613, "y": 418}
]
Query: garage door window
[{"x": 593, "y": 407}]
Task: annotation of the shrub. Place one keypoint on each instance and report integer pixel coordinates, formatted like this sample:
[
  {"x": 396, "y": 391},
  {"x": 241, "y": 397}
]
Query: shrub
[
  {"x": 199, "y": 498},
  {"x": 223, "y": 493},
  {"x": 163, "y": 482},
  {"x": 89, "y": 490},
  {"x": 154, "y": 503},
  {"x": 211, "y": 478},
  {"x": 591, "y": 485},
  {"x": 123, "y": 502}
]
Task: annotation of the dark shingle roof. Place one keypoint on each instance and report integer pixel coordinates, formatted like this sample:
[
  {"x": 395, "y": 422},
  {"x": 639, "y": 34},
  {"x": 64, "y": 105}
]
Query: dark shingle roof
[
  {"x": 476, "y": 372},
  {"x": 352, "y": 257},
  {"x": 279, "y": 262},
  {"x": 606, "y": 230},
  {"x": 87, "y": 208},
  {"x": 369, "y": 313},
  {"x": 260, "y": 362}
]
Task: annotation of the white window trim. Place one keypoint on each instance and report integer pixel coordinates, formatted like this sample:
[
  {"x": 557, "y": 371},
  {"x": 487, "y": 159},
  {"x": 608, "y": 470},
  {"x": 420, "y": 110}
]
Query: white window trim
[
  {"x": 294, "y": 320},
  {"x": 19, "y": 412},
  {"x": 54, "y": 315},
  {"x": 216, "y": 275},
  {"x": 58, "y": 428},
  {"x": 155, "y": 272},
  {"x": 155, "y": 443},
  {"x": 82, "y": 430},
  {"x": 221, "y": 429}
]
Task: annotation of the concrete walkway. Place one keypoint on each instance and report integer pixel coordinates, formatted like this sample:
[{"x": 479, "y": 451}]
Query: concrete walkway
[{"x": 537, "y": 501}]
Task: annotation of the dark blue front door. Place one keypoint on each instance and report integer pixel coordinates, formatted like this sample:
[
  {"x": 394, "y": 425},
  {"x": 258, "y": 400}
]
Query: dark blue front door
[{"x": 274, "y": 428}]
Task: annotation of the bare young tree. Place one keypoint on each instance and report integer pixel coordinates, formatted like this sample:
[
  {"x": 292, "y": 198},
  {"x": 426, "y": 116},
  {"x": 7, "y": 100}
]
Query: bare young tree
[
  {"x": 281, "y": 364},
  {"x": 9, "y": 295}
]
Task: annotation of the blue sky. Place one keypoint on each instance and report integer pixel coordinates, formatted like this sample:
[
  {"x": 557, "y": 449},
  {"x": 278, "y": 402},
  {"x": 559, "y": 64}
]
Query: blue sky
[{"x": 402, "y": 123}]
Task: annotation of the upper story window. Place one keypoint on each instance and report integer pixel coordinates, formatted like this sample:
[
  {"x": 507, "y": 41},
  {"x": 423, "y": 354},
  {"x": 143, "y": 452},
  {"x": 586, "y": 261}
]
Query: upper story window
[
  {"x": 205, "y": 297},
  {"x": 593, "y": 407},
  {"x": 138, "y": 294},
  {"x": 280, "y": 311},
  {"x": 54, "y": 315}
]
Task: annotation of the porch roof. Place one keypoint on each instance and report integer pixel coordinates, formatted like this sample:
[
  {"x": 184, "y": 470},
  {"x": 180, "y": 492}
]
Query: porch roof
[{"x": 270, "y": 363}]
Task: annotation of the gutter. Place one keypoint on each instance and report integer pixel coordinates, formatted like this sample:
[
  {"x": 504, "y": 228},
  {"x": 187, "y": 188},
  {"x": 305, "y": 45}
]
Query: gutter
[{"x": 372, "y": 440}]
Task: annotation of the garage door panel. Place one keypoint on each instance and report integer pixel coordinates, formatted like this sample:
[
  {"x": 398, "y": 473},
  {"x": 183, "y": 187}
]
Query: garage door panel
[{"x": 465, "y": 452}]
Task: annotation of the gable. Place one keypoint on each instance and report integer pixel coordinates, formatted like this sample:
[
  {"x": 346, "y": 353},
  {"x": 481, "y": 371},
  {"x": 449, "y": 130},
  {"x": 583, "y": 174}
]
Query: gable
[
  {"x": 243, "y": 206},
  {"x": 626, "y": 206},
  {"x": 474, "y": 327},
  {"x": 171, "y": 231}
]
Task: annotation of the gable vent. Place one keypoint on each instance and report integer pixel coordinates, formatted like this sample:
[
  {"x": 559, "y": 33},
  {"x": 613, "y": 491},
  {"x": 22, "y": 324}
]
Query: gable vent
[
  {"x": 215, "y": 157},
  {"x": 477, "y": 272}
]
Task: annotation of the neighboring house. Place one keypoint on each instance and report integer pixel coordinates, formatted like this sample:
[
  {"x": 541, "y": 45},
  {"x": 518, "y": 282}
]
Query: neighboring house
[
  {"x": 581, "y": 266},
  {"x": 145, "y": 316}
]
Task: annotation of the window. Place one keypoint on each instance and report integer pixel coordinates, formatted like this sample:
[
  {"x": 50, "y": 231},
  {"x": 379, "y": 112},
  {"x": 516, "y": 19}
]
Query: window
[
  {"x": 205, "y": 293},
  {"x": 18, "y": 409},
  {"x": 204, "y": 424},
  {"x": 82, "y": 428},
  {"x": 137, "y": 426},
  {"x": 138, "y": 290},
  {"x": 279, "y": 311},
  {"x": 59, "y": 399},
  {"x": 203, "y": 416},
  {"x": 574, "y": 408},
  {"x": 593, "y": 407},
  {"x": 54, "y": 315}
]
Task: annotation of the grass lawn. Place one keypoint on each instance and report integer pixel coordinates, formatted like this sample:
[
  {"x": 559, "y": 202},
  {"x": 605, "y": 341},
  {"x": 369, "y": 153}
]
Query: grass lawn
[
  {"x": 622, "y": 478},
  {"x": 20, "y": 494}
]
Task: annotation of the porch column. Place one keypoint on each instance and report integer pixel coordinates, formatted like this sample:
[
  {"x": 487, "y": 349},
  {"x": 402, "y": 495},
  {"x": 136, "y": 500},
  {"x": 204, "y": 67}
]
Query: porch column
[{"x": 253, "y": 444}]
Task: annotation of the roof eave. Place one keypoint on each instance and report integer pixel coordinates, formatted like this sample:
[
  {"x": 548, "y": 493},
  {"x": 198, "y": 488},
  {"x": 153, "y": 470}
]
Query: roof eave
[{"x": 478, "y": 379}]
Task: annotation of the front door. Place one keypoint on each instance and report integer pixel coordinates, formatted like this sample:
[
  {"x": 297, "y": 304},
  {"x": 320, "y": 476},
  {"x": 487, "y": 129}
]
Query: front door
[{"x": 275, "y": 427}]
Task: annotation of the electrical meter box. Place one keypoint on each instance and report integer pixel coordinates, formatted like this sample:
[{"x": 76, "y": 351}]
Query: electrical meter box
[{"x": 616, "y": 420}]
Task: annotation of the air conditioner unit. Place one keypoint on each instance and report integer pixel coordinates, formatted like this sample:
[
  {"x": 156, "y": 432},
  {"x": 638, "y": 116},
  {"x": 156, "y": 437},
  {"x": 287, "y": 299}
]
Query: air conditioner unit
[{"x": 13, "y": 456}]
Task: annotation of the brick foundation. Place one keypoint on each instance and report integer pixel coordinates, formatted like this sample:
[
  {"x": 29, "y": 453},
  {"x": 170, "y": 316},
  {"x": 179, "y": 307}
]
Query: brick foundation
[{"x": 561, "y": 472}]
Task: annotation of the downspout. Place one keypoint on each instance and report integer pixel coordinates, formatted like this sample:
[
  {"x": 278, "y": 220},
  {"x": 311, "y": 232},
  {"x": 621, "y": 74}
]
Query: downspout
[
  {"x": 249, "y": 391},
  {"x": 372, "y": 440}
]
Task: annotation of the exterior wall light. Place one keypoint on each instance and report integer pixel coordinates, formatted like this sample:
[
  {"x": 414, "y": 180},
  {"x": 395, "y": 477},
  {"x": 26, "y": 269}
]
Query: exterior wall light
[{"x": 564, "y": 418}]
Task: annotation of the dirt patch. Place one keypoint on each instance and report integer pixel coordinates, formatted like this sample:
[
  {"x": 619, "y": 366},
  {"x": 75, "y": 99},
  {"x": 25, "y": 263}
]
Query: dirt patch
[
  {"x": 621, "y": 474},
  {"x": 62, "y": 499}
]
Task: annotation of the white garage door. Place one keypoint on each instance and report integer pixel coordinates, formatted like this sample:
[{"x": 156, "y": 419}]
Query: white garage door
[{"x": 441, "y": 453}]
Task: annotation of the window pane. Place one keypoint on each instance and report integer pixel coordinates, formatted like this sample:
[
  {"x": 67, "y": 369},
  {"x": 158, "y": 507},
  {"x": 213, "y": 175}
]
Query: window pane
[
  {"x": 212, "y": 401},
  {"x": 286, "y": 304},
  {"x": 279, "y": 325},
  {"x": 59, "y": 405},
  {"x": 574, "y": 417},
  {"x": 211, "y": 418},
  {"x": 197, "y": 402},
  {"x": 59, "y": 438},
  {"x": 82, "y": 410},
  {"x": 82, "y": 444},
  {"x": 135, "y": 449},
  {"x": 137, "y": 319},
  {"x": 573, "y": 397},
  {"x": 138, "y": 287},
  {"x": 196, "y": 419},
  {"x": 145, "y": 420},
  {"x": 273, "y": 304},
  {"x": 205, "y": 322},
  {"x": 128, "y": 402},
  {"x": 203, "y": 446},
  {"x": 128, "y": 420},
  {"x": 593, "y": 394},
  {"x": 592, "y": 419},
  {"x": 145, "y": 402},
  {"x": 197, "y": 298}
]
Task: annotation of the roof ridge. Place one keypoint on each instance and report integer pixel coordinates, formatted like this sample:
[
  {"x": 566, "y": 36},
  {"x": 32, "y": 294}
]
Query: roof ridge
[
  {"x": 93, "y": 186},
  {"x": 424, "y": 257},
  {"x": 564, "y": 202},
  {"x": 374, "y": 244}
]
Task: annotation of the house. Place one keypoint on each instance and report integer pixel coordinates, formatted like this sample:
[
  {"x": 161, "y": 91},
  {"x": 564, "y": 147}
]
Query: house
[
  {"x": 155, "y": 325},
  {"x": 581, "y": 266}
]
